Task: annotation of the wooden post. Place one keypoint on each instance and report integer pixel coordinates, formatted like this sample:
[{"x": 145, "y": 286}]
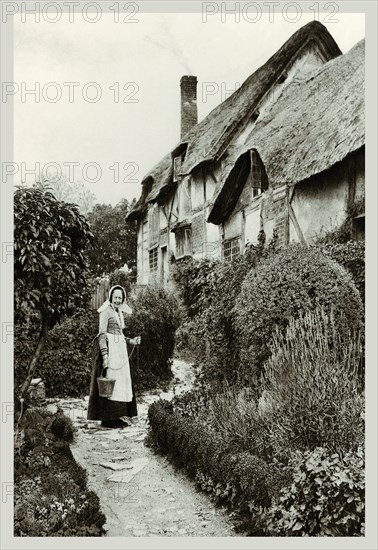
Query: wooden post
[
  {"x": 293, "y": 217},
  {"x": 297, "y": 226},
  {"x": 351, "y": 167}
]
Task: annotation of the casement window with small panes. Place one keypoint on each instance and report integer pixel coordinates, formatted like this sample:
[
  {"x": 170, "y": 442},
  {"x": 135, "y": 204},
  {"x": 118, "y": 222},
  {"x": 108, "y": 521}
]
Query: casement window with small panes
[
  {"x": 231, "y": 248},
  {"x": 153, "y": 257}
]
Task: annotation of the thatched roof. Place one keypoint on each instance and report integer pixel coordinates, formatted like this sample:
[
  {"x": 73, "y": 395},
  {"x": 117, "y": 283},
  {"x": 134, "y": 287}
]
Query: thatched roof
[
  {"x": 209, "y": 138},
  {"x": 315, "y": 123},
  {"x": 159, "y": 178}
]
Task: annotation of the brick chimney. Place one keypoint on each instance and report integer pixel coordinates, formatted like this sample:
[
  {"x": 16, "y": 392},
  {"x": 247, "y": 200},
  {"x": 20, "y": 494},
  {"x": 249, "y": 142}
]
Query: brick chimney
[{"x": 189, "y": 114}]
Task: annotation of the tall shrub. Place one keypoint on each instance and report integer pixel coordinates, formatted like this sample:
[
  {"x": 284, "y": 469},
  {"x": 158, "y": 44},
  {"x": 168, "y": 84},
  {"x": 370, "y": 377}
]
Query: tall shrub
[
  {"x": 155, "y": 318},
  {"x": 315, "y": 391},
  {"x": 209, "y": 290},
  {"x": 285, "y": 285}
]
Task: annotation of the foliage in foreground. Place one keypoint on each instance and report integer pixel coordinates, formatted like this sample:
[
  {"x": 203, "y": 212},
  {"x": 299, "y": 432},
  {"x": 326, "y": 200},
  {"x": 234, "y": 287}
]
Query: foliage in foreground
[
  {"x": 239, "y": 478},
  {"x": 51, "y": 496},
  {"x": 244, "y": 451},
  {"x": 313, "y": 385},
  {"x": 318, "y": 493},
  {"x": 326, "y": 498},
  {"x": 51, "y": 239}
]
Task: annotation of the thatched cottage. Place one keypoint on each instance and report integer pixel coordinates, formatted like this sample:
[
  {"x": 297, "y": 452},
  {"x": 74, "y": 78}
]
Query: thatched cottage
[{"x": 285, "y": 151}]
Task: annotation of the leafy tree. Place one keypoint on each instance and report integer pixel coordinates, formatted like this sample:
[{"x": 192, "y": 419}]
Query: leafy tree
[
  {"x": 115, "y": 237},
  {"x": 50, "y": 240}
]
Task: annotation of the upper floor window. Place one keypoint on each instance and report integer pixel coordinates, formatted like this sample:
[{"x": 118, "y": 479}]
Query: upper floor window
[
  {"x": 183, "y": 242},
  {"x": 231, "y": 248},
  {"x": 257, "y": 176}
]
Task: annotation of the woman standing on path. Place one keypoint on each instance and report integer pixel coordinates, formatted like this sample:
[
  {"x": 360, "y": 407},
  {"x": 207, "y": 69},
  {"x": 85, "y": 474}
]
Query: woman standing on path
[{"x": 110, "y": 353}]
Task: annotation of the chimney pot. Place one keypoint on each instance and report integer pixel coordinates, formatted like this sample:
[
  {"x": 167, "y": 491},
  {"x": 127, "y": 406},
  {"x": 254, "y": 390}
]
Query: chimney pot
[{"x": 189, "y": 113}]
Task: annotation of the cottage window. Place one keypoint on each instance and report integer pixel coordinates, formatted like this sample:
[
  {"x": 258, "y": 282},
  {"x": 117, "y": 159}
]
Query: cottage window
[
  {"x": 183, "y": 242},
  {"x": 231, "y": 248},
  {"x": 177, "y": 163},
  {"x": 257, "y": 176},
  {"x": 153, "y": 259}
]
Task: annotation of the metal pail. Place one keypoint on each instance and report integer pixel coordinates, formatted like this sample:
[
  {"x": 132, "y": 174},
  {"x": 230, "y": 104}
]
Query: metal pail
[{"x": 105, "y": 386}]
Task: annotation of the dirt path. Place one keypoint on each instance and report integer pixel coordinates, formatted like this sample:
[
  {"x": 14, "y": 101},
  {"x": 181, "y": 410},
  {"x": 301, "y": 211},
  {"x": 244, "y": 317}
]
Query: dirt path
[{"x": 140, "y": 493}]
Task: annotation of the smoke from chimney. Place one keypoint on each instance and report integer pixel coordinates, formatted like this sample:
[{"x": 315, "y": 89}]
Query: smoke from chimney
[{"x": 189, "y": 113}]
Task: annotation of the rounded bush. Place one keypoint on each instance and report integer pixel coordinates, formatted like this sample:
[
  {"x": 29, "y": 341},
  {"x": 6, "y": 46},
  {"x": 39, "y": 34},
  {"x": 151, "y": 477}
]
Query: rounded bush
[{"x": 285, "y": 285}]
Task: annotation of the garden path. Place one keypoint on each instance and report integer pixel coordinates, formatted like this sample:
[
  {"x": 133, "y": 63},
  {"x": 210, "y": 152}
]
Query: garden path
[{"x": 140, "y": 493}]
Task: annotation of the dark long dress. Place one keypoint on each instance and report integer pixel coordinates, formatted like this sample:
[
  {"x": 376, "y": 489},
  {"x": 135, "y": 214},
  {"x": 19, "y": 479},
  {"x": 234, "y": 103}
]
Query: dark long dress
[{"x": 102, "y": 408}]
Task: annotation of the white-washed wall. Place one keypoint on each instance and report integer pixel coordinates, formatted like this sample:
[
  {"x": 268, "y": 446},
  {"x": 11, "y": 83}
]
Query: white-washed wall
[{"x": 320, "y": 204}]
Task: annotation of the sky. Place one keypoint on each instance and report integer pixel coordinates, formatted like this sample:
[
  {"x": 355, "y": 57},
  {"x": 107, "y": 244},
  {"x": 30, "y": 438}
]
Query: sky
[{"x": 113, "y": 107}]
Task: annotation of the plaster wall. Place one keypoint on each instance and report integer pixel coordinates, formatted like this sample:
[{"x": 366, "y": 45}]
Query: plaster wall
[
  {"x": 233, "y": 226},
  {"x": 252, "y": 226},
  {"x": 319, "y": 204},
  {"x": 162, "y": 217},
  {"x": 197, "y": 191}
]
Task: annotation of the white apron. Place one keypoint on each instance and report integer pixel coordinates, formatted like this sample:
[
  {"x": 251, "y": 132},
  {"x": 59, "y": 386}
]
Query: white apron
[{"x": 119, "y": 368}]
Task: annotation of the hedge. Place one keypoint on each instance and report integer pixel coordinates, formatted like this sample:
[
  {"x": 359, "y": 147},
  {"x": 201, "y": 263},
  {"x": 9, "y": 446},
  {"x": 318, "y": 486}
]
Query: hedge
[
  {"x": 237, "y": 478},
  {"x": 51, "y": 496},
  {"x": 318, "y": 493},
  {"x": 275, "y": 284},
  {"x": 65, "y": 365},
  {"x": 155, "y": 317}
]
